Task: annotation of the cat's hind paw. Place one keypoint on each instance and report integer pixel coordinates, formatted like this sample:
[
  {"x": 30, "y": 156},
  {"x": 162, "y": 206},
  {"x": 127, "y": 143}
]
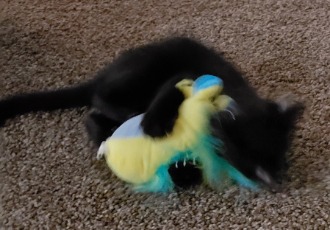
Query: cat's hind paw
[{"x": 101, "y": 151}]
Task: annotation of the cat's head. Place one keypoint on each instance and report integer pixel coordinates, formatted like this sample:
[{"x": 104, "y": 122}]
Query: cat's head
[{"x": 256, "y": 141}]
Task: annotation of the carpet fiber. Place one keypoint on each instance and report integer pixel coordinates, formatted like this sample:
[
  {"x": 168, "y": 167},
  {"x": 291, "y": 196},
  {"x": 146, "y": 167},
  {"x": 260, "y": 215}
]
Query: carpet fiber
[{"x": 50, "y": 178}]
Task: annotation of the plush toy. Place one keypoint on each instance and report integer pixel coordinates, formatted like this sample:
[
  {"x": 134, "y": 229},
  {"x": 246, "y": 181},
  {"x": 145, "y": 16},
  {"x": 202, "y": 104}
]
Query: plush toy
[{"x": 143, "y": 161}]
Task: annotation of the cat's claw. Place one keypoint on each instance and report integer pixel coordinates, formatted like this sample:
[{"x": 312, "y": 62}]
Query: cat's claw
[{"x": 101, "y": 151}]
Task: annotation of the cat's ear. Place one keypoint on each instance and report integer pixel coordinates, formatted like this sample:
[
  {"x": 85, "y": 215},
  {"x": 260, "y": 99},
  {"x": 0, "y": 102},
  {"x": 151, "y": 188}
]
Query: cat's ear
[{"x": 290, "y": 108}]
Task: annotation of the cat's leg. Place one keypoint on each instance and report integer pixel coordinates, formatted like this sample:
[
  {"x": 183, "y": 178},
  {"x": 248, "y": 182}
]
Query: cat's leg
[
  {"x": 99, "y": 127},
  {"x": 161, "y": 115},
  {"x": 159, "y": 120}
]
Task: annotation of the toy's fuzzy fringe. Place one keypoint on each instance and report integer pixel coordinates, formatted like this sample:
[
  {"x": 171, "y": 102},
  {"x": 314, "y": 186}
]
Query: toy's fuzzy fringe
[{"x": 217, "y": 172}]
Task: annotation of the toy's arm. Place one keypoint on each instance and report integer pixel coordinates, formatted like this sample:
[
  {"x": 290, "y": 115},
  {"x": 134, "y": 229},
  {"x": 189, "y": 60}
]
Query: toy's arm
[
  {"x": 223, "y": 101},
  {"x": 160, "y": 117}
]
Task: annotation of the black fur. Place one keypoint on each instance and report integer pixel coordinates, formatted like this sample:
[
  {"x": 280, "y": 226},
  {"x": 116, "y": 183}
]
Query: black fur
[
  {"x": 163, "y": 111},
  {"x": 259, "y": 138},
  {"x": 141, "y": 80},
  {"x": 76, "y": 96},
  {"x": 185, "y": 175}
]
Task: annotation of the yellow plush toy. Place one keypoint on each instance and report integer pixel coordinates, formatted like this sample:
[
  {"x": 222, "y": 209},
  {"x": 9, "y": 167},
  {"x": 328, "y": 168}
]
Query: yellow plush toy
[{"x": 143, "y": 161}]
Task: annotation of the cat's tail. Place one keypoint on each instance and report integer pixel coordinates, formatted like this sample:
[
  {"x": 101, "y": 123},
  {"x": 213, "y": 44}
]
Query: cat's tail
[{"x": 70, "y": 97}]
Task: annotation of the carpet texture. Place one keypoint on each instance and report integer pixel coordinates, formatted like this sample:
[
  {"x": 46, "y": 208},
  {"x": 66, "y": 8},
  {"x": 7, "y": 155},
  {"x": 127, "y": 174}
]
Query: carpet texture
[{"x": 50, "y": 178}]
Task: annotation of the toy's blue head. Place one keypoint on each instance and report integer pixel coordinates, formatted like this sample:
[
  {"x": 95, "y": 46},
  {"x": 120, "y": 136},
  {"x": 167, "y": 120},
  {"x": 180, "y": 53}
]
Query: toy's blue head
[{"x": 206, "y": 81}]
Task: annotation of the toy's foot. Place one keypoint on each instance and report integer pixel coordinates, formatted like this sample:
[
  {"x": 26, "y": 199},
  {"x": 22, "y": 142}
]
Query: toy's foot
[{"x": 101, "y": 151}]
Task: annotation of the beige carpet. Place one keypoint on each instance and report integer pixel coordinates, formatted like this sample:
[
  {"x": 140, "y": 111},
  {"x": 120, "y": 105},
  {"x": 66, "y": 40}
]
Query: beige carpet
[{"x": 50, "y": 178}]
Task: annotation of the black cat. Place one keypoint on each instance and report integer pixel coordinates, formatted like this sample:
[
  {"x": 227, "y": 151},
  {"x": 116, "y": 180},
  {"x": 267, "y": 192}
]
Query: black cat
[{"x": 256, "y": 133}]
